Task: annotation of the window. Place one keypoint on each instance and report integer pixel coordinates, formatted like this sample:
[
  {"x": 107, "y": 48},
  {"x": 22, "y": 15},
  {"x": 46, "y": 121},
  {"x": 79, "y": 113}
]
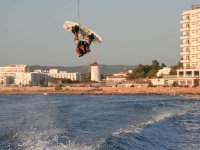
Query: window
[{"x": 187, "y": 66}]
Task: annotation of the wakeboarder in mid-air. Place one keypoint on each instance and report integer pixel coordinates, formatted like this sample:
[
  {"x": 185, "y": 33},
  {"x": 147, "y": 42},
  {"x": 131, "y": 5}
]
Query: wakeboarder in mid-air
[{"x": 82, "y": 47}]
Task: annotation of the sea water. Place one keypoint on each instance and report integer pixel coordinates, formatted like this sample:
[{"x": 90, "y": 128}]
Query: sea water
[{"x": 106, "y": 122}]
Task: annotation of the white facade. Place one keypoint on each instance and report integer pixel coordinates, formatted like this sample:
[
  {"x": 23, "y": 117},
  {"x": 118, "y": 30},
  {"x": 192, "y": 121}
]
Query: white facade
[
  {"x": 54, "y": 73},
  {"x": 163, "y": 72},
  {"x": 122, "y": 74},
  {"x": 116, "y": 78},
  {"x": 95, "y": 72},
  {"x": 30, "y": 78},
  {"x": 119, "y": 76},
  {"x": 21, "y": 75},
  {"x": 6, "y": 80},
  {"x": 14, "y": 68},
  {"x": 190, "y": 46},
  {"x": 190, "y": 38},
  {"x": 8, "y": 73},
  {"x": 157, "y": 82},
  {"x": 166, "y": 81}
]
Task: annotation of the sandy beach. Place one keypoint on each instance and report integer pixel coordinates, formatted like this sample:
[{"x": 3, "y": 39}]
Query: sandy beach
[{"x": 99, "y": 90}]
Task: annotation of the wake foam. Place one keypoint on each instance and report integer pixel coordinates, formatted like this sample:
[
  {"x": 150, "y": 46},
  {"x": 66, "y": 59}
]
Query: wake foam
[
  {"x": 47, "y": 145},
  {"x": 38, "y": 142},
  {"x": 40, "y": 133},
  {"x": 138, "y": 128}
]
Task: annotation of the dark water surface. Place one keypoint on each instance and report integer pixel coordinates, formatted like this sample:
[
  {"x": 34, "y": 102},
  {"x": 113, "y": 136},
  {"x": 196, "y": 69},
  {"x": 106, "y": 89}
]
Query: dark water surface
[{"x": 107, "y": 122}]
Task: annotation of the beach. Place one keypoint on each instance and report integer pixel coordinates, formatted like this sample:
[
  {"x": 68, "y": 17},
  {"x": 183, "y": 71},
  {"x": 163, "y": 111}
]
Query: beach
[{"x": 99, "y": 90}]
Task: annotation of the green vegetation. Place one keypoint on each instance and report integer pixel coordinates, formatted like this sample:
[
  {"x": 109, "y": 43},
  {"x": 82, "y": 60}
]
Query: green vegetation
[
  {"x": 62, "y": 81},
  {"x": 146, "y": 71},
  {"x": 174, "y": 68},
  {"x": 86, "y": 77}
]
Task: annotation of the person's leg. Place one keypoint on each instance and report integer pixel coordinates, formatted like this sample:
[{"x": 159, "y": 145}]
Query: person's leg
[
  {"x": 89, "y": 41},
  {"x": 79, "y": 52},
  {"x": 75, "y": 30},
  {"x": 76, "y": 36},
  {"x": 91, "y": 38}
]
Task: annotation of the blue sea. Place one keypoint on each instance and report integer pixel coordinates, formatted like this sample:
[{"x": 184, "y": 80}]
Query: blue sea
[{"x": 101, "y": 122}]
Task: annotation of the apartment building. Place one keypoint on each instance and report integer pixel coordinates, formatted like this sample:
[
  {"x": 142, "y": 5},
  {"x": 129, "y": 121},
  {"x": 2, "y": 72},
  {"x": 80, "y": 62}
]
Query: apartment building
[
  {"x": 14, "y": 68},
  {"x": 8, "y": 73},
  {"x": 190, "y": 47},
  {"x": 6, "y": 80},
  {"x": 30, "y": 78},
  {"x": 20, "y": 74},
  {"x": 55, "y": 73}
]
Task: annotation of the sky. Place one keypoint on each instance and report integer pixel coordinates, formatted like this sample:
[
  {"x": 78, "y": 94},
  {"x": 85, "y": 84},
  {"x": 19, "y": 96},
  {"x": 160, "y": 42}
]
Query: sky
[{"x": 133, "y": 31}]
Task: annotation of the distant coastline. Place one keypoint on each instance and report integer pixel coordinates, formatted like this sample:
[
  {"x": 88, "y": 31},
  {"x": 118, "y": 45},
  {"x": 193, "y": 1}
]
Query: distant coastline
[{"x": 99, "y": 90}]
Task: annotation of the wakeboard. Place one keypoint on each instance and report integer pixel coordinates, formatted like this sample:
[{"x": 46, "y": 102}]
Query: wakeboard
[{"x": 84, "y": 32}]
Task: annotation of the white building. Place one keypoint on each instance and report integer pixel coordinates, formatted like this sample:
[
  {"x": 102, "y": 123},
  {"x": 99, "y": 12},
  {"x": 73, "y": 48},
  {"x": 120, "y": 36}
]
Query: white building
[
  {"x": 95, "y": 72},
  {"x": 55, "y": 73},
  {"x": 14, "y": 68},
  {"x": 163, "y": 72},
  {"x": 20, "y": 74},
  {"x": 190, "y": 38},
  {"x": 190, "y": 47},
  {"x": 119, "y": 76},
  {"x": 6, "y": 80},
  {"x": 166, "y": 81},
  {"x": 8, "y": 73},
  {"x": 31, "y": 78},
  {"x": 116, "y": 78}
]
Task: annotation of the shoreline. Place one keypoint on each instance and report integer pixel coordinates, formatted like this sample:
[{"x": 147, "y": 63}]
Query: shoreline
[{"x": 100, "y": 91}]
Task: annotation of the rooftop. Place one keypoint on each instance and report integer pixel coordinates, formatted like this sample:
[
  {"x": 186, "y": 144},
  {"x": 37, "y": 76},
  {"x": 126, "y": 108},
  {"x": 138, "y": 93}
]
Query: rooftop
[{"x": 195, "y": 7}]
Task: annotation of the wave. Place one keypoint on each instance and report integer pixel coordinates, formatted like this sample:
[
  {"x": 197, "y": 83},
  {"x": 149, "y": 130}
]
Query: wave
[
  {"x": 47, "y": 145},
  {"x": 51, "y": 139},
  {"x": 140, "y": 126}
]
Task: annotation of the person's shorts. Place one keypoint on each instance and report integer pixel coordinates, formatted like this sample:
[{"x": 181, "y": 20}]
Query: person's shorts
[{"x": 78, "y": 42}]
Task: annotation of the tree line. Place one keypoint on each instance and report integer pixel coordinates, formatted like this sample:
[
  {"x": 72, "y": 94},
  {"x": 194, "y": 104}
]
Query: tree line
[{"x": 146, "y": 71}]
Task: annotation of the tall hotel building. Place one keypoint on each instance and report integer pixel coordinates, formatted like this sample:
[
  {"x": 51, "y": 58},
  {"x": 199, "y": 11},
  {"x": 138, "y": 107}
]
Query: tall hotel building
[{"x": 190, "y": 46}]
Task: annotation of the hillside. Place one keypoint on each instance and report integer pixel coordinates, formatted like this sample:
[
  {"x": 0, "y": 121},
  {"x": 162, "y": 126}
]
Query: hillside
[{"x": 105, "y": 69}]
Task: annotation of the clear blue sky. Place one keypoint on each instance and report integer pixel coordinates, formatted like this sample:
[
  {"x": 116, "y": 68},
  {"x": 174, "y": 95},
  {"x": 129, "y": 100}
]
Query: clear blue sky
[{"x": 133, "y": 31}]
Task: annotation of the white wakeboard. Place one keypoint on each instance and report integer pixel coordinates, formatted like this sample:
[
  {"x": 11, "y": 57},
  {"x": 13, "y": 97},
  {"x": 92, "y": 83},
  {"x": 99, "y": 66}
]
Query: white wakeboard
[{"x": 84, "y": 32}]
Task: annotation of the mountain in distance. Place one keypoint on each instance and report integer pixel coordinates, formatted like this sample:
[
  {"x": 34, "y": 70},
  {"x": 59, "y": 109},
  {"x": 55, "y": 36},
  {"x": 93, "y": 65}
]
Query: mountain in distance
[{"x": 104, "y": 69}]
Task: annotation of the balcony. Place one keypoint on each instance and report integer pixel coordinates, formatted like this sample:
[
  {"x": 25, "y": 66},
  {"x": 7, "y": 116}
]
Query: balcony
[
  {"x": 184, "y": 45},
  {"x": 185, "y": 61},
  {"x": 184, "y": 37},
  {"x": 184, "y": 21},
  {"x": 185, "y": 52},
  {"x": 184, "y": 29}
]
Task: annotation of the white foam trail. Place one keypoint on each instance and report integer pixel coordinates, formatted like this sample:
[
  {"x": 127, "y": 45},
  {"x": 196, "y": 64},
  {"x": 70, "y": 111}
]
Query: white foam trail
[
  {"x": 44, "y": 145},
  {"x": 38, "y": 141},
  {"x": 41, "y": 145},
  {"x": 43, "y": 135},
  {"x": 157, "y": 118},
  {"x": 139, "y": 127},
  {"x": 162, "y": 116}
]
